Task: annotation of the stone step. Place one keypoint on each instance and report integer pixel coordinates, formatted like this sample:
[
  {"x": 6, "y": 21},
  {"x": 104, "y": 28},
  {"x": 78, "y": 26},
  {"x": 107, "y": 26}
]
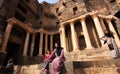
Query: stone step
[
  {"x": 111, "y": 70},
  {"x": 84, "y": 62},
  {"x": 111, "y": 66},
  {"x": 88, "y": 55},
  {"x": 97, "y": 64},
  {"x": 84, "y": 55},
  {"x": 75, "y": 67}
]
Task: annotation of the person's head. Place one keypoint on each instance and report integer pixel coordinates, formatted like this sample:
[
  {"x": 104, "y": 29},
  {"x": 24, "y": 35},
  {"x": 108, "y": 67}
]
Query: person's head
[
  {"x": 11, "y": 59},
  {"x": 58, "y": 48},
  {"x": 57, "y": 44},
  {"x": 48, "y": 51},
  {"x": 106, "y": 31}
]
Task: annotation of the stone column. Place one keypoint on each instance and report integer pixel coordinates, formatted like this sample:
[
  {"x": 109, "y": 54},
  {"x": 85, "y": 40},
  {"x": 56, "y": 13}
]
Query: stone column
[
  {"x": 26, "y": 44},
  {"x": 32, "y": 45},
  {"x": 112, "y": 29},
  {"x": 51, "y": 43},
  {"x": 60, "y": 30},
  {"x": 86, "y": 35},
  {"x": 63, "y": 38},
  {"x": 6, "y": 37},
  {"x": 41, "y": 44},
  {"x": 5, "y": 41},
  {"x": 102, "y": 24},
  {"x": 74, "y": 37},
  {"x": 46, "y": 42},
  {"x": 104, "y": 28},
  {"x": 98, "y": 27}
]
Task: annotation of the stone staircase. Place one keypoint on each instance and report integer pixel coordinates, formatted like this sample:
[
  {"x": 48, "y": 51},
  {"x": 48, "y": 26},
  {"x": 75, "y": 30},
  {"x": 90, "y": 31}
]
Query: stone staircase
[
  {"x": 88, "y": 55},
  {"x": 97, "y": 61},
  {"x": 111, "y": 66}
]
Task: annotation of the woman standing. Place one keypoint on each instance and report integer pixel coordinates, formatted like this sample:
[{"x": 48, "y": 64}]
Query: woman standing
[
  {"x": 58, "y": 61},
  {"x": 109, "y": 39}
]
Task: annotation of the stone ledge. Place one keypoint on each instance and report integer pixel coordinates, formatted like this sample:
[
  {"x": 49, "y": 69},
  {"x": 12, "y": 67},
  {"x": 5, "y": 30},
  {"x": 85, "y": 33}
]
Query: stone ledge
[
  {"x": 88, "y": 55},
  {"x": 113, "y": 70},
  {"x": 96, "y": 64},
  {"x": 76, "y": 67}
]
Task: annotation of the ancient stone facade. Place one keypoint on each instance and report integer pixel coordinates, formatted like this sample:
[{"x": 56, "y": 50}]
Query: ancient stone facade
[{"x": 28, "y": 28}]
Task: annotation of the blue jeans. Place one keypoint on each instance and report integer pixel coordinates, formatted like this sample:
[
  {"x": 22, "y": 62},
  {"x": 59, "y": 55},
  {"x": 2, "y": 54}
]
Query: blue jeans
[{"x": 46, "y": 64}]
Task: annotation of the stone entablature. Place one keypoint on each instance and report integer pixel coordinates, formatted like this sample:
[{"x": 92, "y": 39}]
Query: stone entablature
[
  {"x": 27, "y": 27},
  {"x": 89, "y": 14}
]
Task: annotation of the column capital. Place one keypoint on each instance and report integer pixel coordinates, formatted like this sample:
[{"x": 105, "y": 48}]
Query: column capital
[
  {"x": 46, "y": 34},
  {"x": 94, "y": 15},
  {"x": 41, "y": 32},
  {"x": 51, "y": 34},
  {"x": 11, "y": 22},
  {"x": 72, "y": 23},
  {"x": 101, "y": 18},
  {"x": 83, "y": 16},
  {"x": 33, "y": 34},
  {"x": 108, "y": 19},
  {"x": 61, "y": 25},
  {"x": 82, "y": 19},
  {"x": 27, "y": 32}
]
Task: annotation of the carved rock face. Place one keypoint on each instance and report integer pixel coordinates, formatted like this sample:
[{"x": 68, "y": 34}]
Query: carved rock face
[{"x": 61, "y": 9}]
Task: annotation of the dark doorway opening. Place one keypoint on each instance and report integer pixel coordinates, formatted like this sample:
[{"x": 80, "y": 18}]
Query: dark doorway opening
[
  {"x": 13, "y": 51},
  {"x": 36, "y": 46},
  {"x": 56, "y": 38}
]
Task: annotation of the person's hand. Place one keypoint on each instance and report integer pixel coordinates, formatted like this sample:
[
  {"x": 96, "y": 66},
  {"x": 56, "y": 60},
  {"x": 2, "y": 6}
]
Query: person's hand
[{"x": 46, "y": 60}]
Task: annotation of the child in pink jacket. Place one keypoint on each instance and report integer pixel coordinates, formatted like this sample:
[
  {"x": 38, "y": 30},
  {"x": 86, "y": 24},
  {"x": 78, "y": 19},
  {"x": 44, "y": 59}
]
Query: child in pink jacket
[{"x": 46, "y": 63}]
